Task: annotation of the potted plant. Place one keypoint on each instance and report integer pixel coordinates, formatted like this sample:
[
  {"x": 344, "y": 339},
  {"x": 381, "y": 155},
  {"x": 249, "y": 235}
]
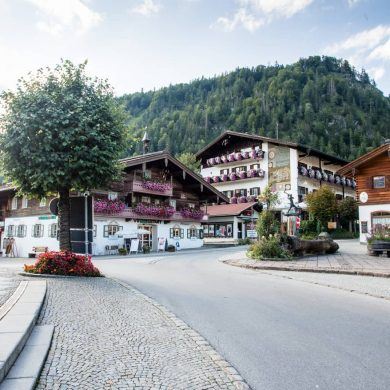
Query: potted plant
[
  {"x": 230, "y": 157},
  {"x": 379, "y": 241},
  {"x": 233, "y": 200},
  {"x": 218, "y": 160},
  {"x": 224, "y": 159},
  {"x": 242, "y": 175},
  {"x": 233, "y": 176},
  {"x": 146, "y": 249},
  {"x": 224, "y": 177}
]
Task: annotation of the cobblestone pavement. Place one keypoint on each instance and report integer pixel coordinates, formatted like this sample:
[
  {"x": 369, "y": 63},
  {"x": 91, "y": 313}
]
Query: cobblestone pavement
[
  {"x": 108, "y": 336},
  {"x": 9, "y": 281},
  {"x": 351, "y": 257}
]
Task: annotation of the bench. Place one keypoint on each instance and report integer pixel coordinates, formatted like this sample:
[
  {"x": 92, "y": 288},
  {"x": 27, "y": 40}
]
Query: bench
[{"x": 37, "y": 250}]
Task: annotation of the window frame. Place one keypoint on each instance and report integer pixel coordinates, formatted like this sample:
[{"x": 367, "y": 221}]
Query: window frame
[
  {"x": 24, "y": 202},
  {"x": 42, "y": 202},
  {"x": 50, "y": 230},
  {"x": 37, "y": 230},
  {"x": 21, "y": 231},
  {"x": 10, "y": 231},
  {"x": 14, "y": 203},
  {"x": 106, "y": 229},
  {"x": 380, "y": 177}
]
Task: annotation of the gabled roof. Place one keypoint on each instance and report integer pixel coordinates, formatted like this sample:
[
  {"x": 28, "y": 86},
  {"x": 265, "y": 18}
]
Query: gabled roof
[
  {"x": 227, "y": 209},
  {"x": 255, "y": 137},
  {"x": 347, "y": 169},
  {"x": 164, "y": 155}
]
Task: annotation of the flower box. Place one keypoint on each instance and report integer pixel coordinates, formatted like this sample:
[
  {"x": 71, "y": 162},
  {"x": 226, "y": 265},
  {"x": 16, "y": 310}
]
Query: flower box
[
  {"x": 312, "y": 173},
  {"x": 212, "y": 161},
  {"x": 224, "y": 159},
  {"x": 224, "y": 177},
  {"x": 230, "y": 157},
  {"x": 207, "y": 179},
  {"x": 106, "y": 206},
  {"x": 251, "y": 173},
  {"x": 189, "y": 213},
  {"x": 233, "y": 200},
  {"x": 238, "y": 156},
  {"x": 318, "y": 175},
  {"x": 156, "y": 186},
  {"x": 325, "y": 176},
  {"x": 343, "y": 181},
  {"x": 242, "y": 175},
  {"x": 331, "y": 179},
  {"x": 245, "y": 155},
  {"x": 242, "y": 199},
  {"x": 154, "y": 210},
  {"x": 303, "y": 171},
  {"x": 253, "y": 154},
  {"x": 251, "y": 198},
  {"x": 218, "y": 160},
  {"x": 261, "y": 173},
  {"x": 216, "y": 179},
  {"x": 337, "y": 179},
  {"x": 233, "y": 176},
  {"x": 348, "y": 182}
]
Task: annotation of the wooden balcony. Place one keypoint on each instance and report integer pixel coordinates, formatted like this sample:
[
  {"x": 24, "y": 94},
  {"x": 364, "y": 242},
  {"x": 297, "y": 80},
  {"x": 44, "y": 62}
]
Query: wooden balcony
[
  {"x": 137, "y": 186},
  {"x": 130, "y": 214}
]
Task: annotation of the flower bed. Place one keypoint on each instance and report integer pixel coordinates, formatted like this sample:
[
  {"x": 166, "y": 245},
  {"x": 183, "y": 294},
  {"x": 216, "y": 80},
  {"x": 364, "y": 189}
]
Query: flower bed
[
  {"x": 63, "y": 263},
  {"x": 108, "y": 206},
  {"x": 154, "y": 210},
  {"x": 191, "y": 213},
  {"x": 156, "y": 186}
]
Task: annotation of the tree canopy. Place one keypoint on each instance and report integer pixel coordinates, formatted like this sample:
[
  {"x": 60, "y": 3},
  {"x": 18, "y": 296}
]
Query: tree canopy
[
  {"x": 319, "y": 101},
  {"x": 63, "y": 130}
]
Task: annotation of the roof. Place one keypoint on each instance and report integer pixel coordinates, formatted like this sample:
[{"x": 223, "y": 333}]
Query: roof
[
  {"x": 347, "y": 170},
  {"x": 163, "y": 154},
  {"x": 307, "y": 149},
  {"x": 227, "y": 209}
]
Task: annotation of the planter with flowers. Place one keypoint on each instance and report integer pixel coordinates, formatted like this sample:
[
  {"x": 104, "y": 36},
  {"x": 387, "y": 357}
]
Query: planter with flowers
[
  {"x": 318, "y": 175},
  {"x": 233, "y": 200},
  {"x": 224, "y": 177},
  {"x": 207, "y": 179},
  {"x": 242, "y": 175},
  {"x": 218, "y": 160},
  {"x": 154, "y": 210},
  {"x": 251, "y": 198},
  {"x": 216, "y": 179},
  {"x": 190, "y": 213},
  {"x": 156, "y": 186},
  {"x": 106, "y": 206},
  {"x": 230, "y": 157},
  {"x": 261, "y": 173},
  {"x": 379, "y": 241},
  {"x": 224, "y": 159},
  {"x": 242, "y": 199},
  {"x": 251, "y": 173},
  {"x": 238, "y": 156},
  {"x": 331, "y": 178},
  {"x": 233, "y": 176},
  {"x": 245, "y": 155}
]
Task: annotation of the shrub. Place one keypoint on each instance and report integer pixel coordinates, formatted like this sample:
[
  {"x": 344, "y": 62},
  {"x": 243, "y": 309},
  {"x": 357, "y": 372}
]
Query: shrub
[
  {"x": 309, "y": 227},
  {"x": 267, "y": 224},
  {"x": 244, "y": 241},
  {"x": 171, "y": 248},
  {"x": 122, "y": 251},
  {"x": 339, "y": 234},
  {"x": 63, "y": 263},
  {"x": 267, "y": 248}
]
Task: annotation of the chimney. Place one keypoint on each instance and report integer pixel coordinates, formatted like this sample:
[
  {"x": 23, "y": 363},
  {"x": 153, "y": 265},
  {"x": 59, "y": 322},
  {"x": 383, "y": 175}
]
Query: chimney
[{"x": 145, "y": 142}]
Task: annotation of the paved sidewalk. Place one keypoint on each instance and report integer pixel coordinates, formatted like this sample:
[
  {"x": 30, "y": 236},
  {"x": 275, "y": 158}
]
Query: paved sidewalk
[
  {"x": 9, "y": 281},
  {"x": 350, "y": 259},
  {"x": 108, "y": 336}
]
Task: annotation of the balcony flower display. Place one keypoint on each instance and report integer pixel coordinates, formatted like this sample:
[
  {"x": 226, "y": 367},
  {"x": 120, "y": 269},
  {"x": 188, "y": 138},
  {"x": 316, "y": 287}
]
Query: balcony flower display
[
  {"x": 253, "y": 153},
  {"x": 338, "y": 179},
  {"x": 156, "y": 186},
  {"x": 191, "y": 213},
  {"x": 251, "y": 198},
  {"x": 303, "y": 170},
  {"x": 154, "y": 210},
  {"x": 218, "y": 160},
  {"x": 242, "y": 199},
  {"x": 325, "y": 176},
  {"x": 251, "y": 173},
  {"x": 238, "y": 156},
  {"x": 261, "y": 173},
  {"x": 312, "y": 173},
  {"x": 343, "y": 181},
  {"x": 224, "y": 158},
  {"x": 242, "y": 175},
  {"x": 212, "y": 161},
  {"x": 106, "y": 206},
  {"x": 318, "y": 175},
  {"x": 245, "y": 155},
  {"x": 260, "y": 154},
  {"x": 230, "y": 157},
  {"x": 216, "y": 179},
  {"x": 353, "y": 184},
  {"x": 233, "y": 176},
  {"x": 207, "y": 179},
  {"x": 224, "y": 177},
  {"x": 233, "y": 200},
  {"x": 331, "y": 179},
  {"x": 348, "y": 182}
]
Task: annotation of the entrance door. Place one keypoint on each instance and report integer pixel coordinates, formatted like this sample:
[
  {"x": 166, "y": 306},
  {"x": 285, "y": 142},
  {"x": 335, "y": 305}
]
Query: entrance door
[{"x": 146, "y": 238}]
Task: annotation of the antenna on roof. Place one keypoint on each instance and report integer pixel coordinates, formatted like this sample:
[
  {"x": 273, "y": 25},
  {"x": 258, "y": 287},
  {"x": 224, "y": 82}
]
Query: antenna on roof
[{"x": 145, "y": 142}]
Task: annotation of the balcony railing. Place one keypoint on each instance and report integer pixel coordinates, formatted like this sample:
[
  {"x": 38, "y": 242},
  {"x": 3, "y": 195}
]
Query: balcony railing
[
  {"x": 233, "y": 176},
  {"x": 151, "y": 187},
  {"x": 325, "y": 177},
  {"x": 234, "y": 157},
  {"x": 131, "y": 214}
]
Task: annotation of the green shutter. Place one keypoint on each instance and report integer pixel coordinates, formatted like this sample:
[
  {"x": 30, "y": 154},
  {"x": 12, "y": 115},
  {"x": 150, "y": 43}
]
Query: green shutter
[
  {"x": 181, "y": 233},
  {"x": 171, "y": 233}
]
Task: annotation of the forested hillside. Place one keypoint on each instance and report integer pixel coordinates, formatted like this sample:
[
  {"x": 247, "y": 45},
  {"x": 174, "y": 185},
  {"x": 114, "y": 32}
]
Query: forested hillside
[{"x": 320, "y": 101}]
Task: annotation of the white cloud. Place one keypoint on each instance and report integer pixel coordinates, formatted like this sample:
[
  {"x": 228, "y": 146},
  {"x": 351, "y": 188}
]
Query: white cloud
[
  {"x": 369, "y": 49},
  {"x": 147, "y": 8},
  {"x": 381, "y": 52},
  {"x": 60, "y": 15},
  {"x": 351, "y": 3},
  {"x": 363, "y": 40},
  {"x": 252, "y": 14},
  {"x": 241, "y": 17}
]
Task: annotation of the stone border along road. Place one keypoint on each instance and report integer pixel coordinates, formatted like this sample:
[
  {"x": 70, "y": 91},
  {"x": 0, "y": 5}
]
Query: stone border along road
[{"x": 110, "y": 336}]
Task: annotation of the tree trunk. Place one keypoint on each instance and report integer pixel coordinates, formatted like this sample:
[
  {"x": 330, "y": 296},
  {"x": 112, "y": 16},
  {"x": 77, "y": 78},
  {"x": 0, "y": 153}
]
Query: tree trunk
[{"x": 64, "y": 219}]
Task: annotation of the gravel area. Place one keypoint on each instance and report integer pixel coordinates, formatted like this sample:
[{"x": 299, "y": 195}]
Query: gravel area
[
  {"x": 370, "y": 285},
  {"x": 108, "y": 336}
]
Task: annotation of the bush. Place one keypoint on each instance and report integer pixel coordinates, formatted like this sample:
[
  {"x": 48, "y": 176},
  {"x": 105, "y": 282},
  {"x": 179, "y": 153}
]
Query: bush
[
  {"x": 171, "y": 248},
  {"x": 244, "y": 241},
  {"x": 267, "y": 224},
  {"x": 267, "y": 248},
  {"x": 308, "y": 227},
  {"x": 63, "y": 263},
  {"x": 340, "y": 234},
  {"x": 122, "y": 251}
]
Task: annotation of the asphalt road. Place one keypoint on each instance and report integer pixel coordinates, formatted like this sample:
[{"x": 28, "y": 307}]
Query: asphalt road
[{"x": 279, "y": 333}]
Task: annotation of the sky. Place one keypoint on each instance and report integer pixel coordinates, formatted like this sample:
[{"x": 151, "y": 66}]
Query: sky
[{"x": 146, "y": 44}]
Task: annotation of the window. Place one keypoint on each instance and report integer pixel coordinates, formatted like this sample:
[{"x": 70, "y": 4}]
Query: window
[
  {"x": 378, "y": 182},
  {"x": 380, "y": 220},
  {"x": 42, "y": 202},
  {"x": 192, "y": 232},
  {"x": 24, "y": 202},
  {"x": 302, "y": 192},
  {"x": 224, "y": 171},
  {"x": 112, "y": 196},
  {"x": 53, "y": 228},
  {"x": 176, "y": 232},
  {"x": 22, "y": 230},
  {"x": 172, "y": 203},
  {"x": 254, "y": 191},
  {"x": 338, "y": 196},
  {"x": 239, "y": 169},
  {"x": 145, "y": 199},
  {"x": 241, "y": 192},
  {"x": 10, "y": 230},
  {"x": 229, "y": 193},
  {"x": 111, "y": 229},
  {"x": 14, "y": 203},
  {"x": 37, "y": 230},
  {"x": 254, "y": 166},
  {"x": 191, "y": 205}
]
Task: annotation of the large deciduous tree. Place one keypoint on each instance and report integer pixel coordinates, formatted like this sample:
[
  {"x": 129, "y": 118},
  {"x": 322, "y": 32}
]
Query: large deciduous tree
[{"x": 62, "y": 131}]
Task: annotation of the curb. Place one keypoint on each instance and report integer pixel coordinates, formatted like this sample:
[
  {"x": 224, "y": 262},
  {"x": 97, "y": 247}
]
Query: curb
[
  {"x": 305, "y": 269},
  {"x": 31, "y": 275},
  {"x": 200, "y": 341}
]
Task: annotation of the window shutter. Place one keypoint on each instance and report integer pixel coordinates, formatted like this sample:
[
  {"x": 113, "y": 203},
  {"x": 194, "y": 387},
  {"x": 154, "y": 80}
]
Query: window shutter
[
  {"x": 188, "y": 233},
  {"x": 105, "y": 231},
  {"x": 200, "y": 233},
  {"x": 181, "y": 233},
  {"x": 171, "y": 233}
]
